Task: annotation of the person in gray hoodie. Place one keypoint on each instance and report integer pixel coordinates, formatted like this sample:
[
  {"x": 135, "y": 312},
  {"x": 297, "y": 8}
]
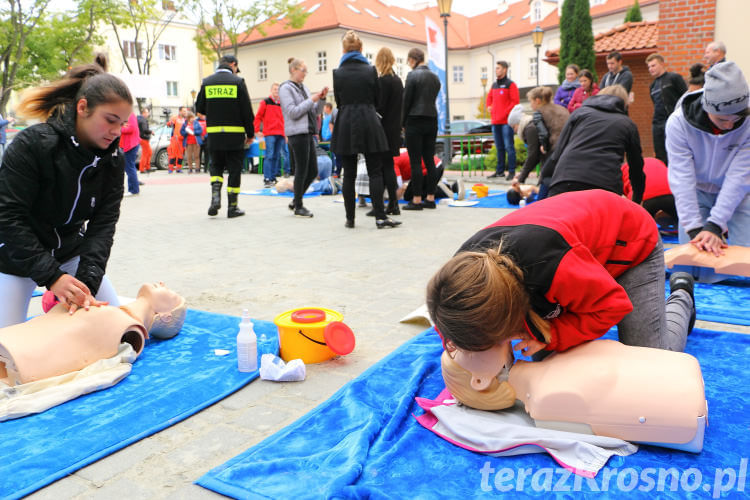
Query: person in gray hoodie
[
  {"x": 300, "y": 109},
  {"x": 708, "y": 143}
]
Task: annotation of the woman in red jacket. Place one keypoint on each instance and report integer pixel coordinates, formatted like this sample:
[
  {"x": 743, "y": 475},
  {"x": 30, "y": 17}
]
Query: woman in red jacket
[
  {"x": 587, "y": 89},
  {"x": 561, "y": 272}
]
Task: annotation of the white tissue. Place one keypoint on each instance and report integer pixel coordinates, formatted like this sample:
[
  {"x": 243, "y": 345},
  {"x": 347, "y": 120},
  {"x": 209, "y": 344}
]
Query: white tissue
[{"x": 273, "y": 368}]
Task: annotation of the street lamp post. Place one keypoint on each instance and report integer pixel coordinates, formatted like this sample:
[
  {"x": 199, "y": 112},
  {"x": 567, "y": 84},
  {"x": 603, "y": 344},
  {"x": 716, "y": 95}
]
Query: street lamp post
[
  {"x": 444, "y": 6},
  {"x": 483, "y": 79},
  {"x": 537, "y": 36},
  {"x": 192, "y": 94}
]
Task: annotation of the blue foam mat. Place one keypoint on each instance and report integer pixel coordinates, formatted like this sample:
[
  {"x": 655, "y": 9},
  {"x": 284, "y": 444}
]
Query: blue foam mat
[
  {"x": 364, "y": 442},
  {"x": 273, "y": 192},
  {"x": 171, "y": 380},
  {"x": 724, "y": 302}
]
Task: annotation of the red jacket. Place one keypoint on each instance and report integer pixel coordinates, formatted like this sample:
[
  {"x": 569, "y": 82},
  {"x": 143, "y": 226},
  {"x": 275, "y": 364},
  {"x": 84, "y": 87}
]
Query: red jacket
[
  {"x": 656, "y": 179},
  {"x": 269, "y": 114},
  {"x": 402, "y": 166},
  {"x": 130, "y": 136},
  {"x": 502, "y": 97},
  {"x": 581, "y": 95},
  {"x": 570, "y": 261}
]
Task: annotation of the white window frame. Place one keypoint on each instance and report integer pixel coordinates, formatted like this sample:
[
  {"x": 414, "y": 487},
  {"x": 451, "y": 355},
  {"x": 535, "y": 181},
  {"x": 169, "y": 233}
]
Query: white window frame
[
  {"x": 533, "y": 67},
  {"x": 322, "y": 61},
  {"x": 537, "y": 11},
  {"x": 173, "y": 89},
  {"x": 167, "y": 52},
  {"x": 458, "y": 73},
  {"x": 400, "y": 67},
  {"x": 132, "y": 49},
  {"x": 370, "y": 57},
  {"x": 262, "y": 70}
]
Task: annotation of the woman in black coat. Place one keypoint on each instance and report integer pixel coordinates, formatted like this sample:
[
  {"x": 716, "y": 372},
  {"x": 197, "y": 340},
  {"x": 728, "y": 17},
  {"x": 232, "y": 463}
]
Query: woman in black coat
[
  {"x": 357, "y": 128},
  {"x": 389, "y": 109},
  {"x": 420, "y": 123}
]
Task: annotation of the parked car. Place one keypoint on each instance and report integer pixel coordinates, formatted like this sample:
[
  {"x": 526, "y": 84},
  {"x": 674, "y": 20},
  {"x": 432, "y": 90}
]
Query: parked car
[
  {"x": 461, "y": 146},
  {"x": 159, "y": 142}
]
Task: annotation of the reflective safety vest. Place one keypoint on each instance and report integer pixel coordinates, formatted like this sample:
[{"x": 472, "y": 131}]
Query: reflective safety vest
[{"x": 224, "y": 99}]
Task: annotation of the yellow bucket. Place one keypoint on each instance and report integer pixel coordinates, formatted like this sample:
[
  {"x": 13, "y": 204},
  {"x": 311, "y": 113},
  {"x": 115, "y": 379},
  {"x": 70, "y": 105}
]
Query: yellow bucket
[
  {"x": 313, "y": 335},
  {"x": 481, "y": 189}
]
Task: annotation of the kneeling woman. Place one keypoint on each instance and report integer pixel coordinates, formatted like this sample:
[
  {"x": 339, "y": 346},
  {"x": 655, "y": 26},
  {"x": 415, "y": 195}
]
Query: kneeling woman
[{"x": 561, "y": 272}]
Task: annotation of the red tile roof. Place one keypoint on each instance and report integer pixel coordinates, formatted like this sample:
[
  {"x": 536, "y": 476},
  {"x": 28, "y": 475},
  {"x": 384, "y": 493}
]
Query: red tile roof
[
  {"x": 626, "y": 38},
  {"x": 375, "y": 17}
]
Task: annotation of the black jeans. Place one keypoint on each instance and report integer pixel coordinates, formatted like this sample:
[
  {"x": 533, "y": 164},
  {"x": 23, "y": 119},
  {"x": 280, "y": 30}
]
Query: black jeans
[
  {"x": 230, "y": 160},
  {"x": 374, "y": 172},
  {"x": 389, "y": 178},
  {"x": 302, "y": 153},
  {"x": 660, "y": 137},
  {"x": 421, "y": 132}
]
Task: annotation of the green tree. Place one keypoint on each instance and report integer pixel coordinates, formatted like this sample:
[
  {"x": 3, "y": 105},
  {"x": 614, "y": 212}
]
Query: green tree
[
  {"x": 61, "y": 41},
  {"x": 634, "y": 13},
  {"x": 221, "y": 23},
  {"x": 576, "y": 37},
  {"x": 18, "y": 19}
]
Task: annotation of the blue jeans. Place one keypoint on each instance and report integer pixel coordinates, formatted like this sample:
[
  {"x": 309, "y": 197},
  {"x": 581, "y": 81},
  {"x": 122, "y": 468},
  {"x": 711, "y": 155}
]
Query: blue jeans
[
  {"x": 324, "y": 167},
  {"x": 503, "y": 135},
  {"x": 274, "y": 150},
  {"x": 131, "y": 171},
  {"x": 739, "y": 232},
  {"x": 322, "y": 186}
]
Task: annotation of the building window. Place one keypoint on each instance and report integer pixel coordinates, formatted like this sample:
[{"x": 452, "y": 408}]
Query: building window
[
  {"x": 400, "y": 67},
  {"x": 262, "y": 70},
  {"x": 537, "y": 11},
  {"x": 533, "y": 68},
  {"x": 132, "y": 49},
  {"x": 172, "y": 89},
  {"x": 167, "y": 52},
  {"x": 483, "y": 73},
  {"x": 369, "y": 57},
  {"x": 322, "y": 61},
  {"x": 458, "y": 74}
]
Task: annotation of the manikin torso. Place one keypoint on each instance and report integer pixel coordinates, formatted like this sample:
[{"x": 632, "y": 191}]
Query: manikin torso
[
  {"x": 56, "y": 342},
  {"x": 736, "y": 259},
  {"x": 601, "y": 387}
]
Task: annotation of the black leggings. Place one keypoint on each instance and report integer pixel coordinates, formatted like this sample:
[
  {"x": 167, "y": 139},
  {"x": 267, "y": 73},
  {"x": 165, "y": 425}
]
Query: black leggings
[
  {"x": 421, "y": 132},
  {"x": 389, "y": 178},
  {"x": 374, "y": 172},
  {"x": 302, "y": 152}
]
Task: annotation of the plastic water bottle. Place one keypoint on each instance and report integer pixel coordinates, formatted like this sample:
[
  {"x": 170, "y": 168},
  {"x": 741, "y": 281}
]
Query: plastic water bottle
[{"x": 247, "y": 345}]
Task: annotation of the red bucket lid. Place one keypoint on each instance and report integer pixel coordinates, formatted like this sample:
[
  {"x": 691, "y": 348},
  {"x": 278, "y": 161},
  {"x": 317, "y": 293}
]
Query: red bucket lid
[
  {"x": 339, "y": 337},
  {"x": 309, "y": 315}
]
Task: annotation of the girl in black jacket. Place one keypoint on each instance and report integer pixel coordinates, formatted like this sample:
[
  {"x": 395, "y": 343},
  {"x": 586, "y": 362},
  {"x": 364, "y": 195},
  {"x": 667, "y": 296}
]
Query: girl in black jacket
[
  {"x": 61, "y": 184},
  {"x": 357, "y": 128},
  {"x": 389, "y": 109}
]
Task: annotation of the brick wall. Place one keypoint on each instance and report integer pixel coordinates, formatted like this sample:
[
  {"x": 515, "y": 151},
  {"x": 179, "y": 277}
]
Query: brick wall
[
  {"x": 685, "y": 28},
  {"x": 641, "y": 110}
]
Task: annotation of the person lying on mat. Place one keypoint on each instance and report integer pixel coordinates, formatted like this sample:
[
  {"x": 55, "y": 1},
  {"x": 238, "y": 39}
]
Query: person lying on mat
[
  {"x": 558, "y": 273},
  {"x": 518, "y": 192},
  {"x": 57, "y": 343},
  {"x": 61, "y": 184}
]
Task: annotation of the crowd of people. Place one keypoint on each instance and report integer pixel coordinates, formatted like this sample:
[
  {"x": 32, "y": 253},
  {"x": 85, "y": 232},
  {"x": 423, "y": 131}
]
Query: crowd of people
[{"x": 592, "y": 221}]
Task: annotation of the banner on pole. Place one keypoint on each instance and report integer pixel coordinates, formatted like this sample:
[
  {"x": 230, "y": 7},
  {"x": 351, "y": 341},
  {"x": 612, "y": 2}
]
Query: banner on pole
[{"x": 436, "y": 63}]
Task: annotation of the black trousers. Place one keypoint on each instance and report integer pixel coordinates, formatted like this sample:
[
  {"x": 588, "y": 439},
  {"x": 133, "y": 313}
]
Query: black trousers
[
  {"x": 421, "y": 132},
  {"x": 660, "y": 137},
  {"x": 389, "y": 178},
  {"x": 302, "y": 156},
  {"x": 568, "y": 186},
  {"x": 230, "y": 160},
  {"x": 374, "y": 172}
]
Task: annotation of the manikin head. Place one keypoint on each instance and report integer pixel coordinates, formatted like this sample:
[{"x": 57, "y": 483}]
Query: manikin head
[
  {"x": 169, "y": 310},
  {"x": 480, "y": 379}
]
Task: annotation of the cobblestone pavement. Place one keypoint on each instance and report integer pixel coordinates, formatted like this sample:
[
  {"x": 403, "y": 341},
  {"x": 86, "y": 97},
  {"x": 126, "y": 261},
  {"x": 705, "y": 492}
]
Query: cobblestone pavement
[{"x": 268, "y": 261}]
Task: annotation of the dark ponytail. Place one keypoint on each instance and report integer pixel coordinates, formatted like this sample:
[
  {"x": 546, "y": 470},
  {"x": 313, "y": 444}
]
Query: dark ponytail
[{"x": 89, "y": 81}]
